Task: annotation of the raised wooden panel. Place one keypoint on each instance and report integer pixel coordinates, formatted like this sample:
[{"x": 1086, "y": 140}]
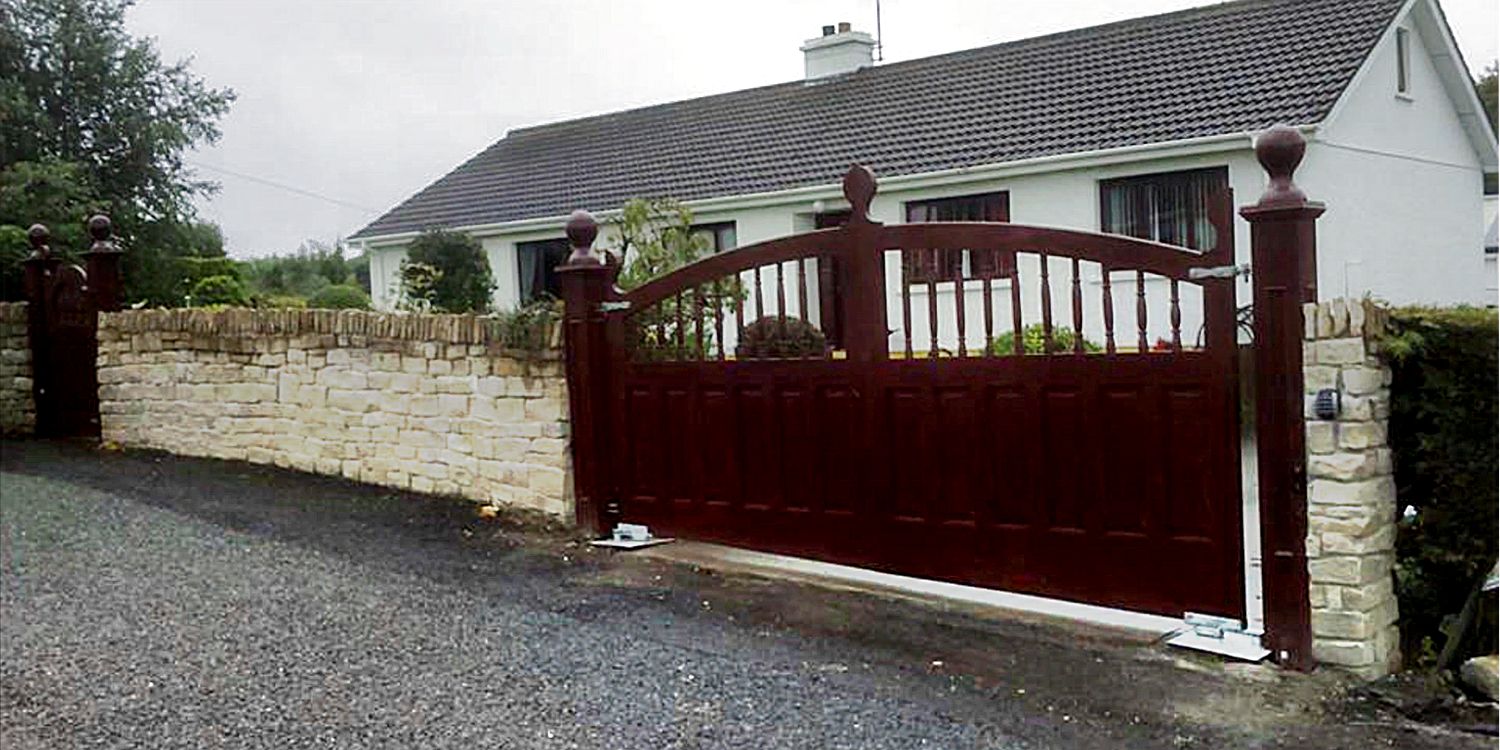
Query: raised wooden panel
[
  {"x": 837, "y": 428},
  {"x": 717, "y": 459},
  {"x": 1064, "y": 464},
  {"x": 906, "y": 413},
  {"x": 643, "y": 423},
  {"x": 795, "y": 437},
  {"x": 957, "y": 474},
  {"x": 1129, "y": 459},
  {"x": 756, "y": 418},
  {"x": 680, "y": 433},
  {"x": 1012, "y": 488},
  {"x": 1190, "y": 493}
]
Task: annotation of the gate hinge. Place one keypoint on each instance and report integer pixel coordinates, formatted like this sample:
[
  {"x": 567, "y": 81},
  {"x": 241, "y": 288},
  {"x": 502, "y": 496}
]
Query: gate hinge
[
  {"x": 616, "y": 306},
  {"x": 1220, "y": 272}
]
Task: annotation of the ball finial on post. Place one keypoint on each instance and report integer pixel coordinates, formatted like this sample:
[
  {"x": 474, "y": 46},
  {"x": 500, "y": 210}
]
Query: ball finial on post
[
  {"x": 859, "y": 189},
  {"x": 1280, "y": 150},
  {"x": 582, "y": 230},
  {"x": 39, "y": 237},
  {"x": 102, "y": 230}
]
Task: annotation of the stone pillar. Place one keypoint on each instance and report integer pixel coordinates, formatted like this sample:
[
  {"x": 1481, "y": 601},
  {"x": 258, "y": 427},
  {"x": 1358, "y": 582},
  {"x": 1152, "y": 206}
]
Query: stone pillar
[{"x": 1351, "y": 503}]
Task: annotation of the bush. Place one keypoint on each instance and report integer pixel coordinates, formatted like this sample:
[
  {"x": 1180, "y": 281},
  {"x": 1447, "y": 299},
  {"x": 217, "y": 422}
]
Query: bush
[
  {"x": 218, "y": 290},
  {"x": 281, "y": 302},
  {"x": 446, "y": 272},
  {"x": 529, "y": 328},
  {"x": 1033, "y": 341},
  {"x": 1442, "y": 434},
  {"x": 340, "y": 297},
  {"x": 780, "y": 337}
]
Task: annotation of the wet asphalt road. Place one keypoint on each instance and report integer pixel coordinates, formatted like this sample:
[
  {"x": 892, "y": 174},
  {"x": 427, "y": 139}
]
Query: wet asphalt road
[{"x": 148, "y": 601}]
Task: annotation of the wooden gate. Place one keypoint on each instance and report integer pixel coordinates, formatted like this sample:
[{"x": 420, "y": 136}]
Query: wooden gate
[
  {"x": 1064, "y": 422},
  {"x": 64, "y": 302}
]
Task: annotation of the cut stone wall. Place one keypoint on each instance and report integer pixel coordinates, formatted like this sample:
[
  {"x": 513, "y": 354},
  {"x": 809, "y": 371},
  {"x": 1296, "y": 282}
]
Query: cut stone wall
[
  {"x": 430, "y": 403},
  {"x": 1351, "y": 494},
  {"x": 17, "y": 409}
]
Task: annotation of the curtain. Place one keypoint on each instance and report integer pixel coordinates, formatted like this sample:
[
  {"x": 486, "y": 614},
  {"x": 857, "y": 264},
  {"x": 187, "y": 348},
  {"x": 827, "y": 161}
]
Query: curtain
[{"x": 1172, "y": 208}]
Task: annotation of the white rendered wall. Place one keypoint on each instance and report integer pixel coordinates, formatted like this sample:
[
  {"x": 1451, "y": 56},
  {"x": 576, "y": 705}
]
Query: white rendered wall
[{"x": 1404, "y": 188}]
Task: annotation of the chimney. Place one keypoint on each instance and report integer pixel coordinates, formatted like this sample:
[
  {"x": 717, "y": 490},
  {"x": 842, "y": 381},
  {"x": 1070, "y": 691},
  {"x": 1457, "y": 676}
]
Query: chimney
[{"x": 839, "y": 50}]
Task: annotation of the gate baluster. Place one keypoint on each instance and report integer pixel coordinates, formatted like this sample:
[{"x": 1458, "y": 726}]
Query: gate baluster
[
  {"x": 698, "y": 320},
  {"x": 781, "y": 301},
  {"x": 1176, "y": 320},
  {"x": 739, "y": 316},
  {"x": 802, "y": 289},
  {"x": 958, "y": 305},
  {"x": 1109, "y": 312},
  {"x": 906, "y": 274},
  {"x": 1140, "y": 311},
  {"x": 1077, "y": 311},
  {"x": 718, "y": 304},
  {"x": 1017, "y": 344},
  {"x": 989, "y": 308},
  {"x": 932, "y": 305},
  {"x": 677, "y": 319},
  {"x": 760, "y": 301},
  {"x": 1046, "y": 305}
]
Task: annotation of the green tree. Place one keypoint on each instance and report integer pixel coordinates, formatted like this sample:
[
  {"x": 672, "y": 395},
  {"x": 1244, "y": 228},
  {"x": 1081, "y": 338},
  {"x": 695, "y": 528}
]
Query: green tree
[
  {"x": 654, "y": 237},
  {"x": 55, "y": 193},
  {"x": 304, "y": 273},
  {"x": 97, "y": 114},
  {"x": 446, "y": 272},
  {"x": 1488, "y": 88},
  {"x": 218, "y": 290}
]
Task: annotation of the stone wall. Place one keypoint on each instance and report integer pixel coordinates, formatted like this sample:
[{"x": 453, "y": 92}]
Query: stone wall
[
  {"x": 430, "y": 403},
  {"x": 1351, "y": 491},
  {"x": 17, "y": 409}
]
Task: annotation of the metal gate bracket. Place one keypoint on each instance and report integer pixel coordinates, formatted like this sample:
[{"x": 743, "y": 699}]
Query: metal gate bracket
[
  {"x": 1218, "y": 635},
  {"x": 1220, "y": 272},
  {"x": 614, "y": 306},
  {"x": 631, "y": 536}
]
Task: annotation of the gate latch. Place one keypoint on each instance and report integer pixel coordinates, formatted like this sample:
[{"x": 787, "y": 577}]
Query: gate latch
[
  {"x": 614, "y": 306},
  {"x": 1220, "y": 272}
]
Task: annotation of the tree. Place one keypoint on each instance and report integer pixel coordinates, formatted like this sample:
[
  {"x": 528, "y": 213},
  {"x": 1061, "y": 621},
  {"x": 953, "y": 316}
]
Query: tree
[
  {"x": 1488, "y": 88},
  {"x": 96, "y": 113},
  {"x": 446, "y": 272},
  {"x": 314, "y": 266},
  {"x": 218, "y": 290}
]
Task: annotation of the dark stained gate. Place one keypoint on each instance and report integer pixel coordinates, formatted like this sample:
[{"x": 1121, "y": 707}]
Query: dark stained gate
[
  {"x": 930, "y": 443},
  {"x": 63, "y": 311}
]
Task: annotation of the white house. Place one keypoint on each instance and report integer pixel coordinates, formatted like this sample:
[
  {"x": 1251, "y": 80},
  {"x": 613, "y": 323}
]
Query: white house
[{"x": 1122, "y": 128}]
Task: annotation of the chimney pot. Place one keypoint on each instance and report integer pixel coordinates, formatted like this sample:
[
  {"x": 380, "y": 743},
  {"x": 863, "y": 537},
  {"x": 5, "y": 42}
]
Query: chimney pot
[
  {"x": 844, "y": 27},
  {"x": 827, "y": 31}
]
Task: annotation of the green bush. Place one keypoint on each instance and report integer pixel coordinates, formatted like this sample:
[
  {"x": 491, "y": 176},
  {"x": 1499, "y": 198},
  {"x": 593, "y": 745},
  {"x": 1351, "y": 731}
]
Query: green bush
[
  {"x": 1442, "y": 435},
  {"x": 780, "y": 337},
  {"x": 529, "y": 328},
  {"x": 340, "y": 297},
  {"x": 446, "y": 272},
  {"x": 1033, "y": 341},
  {"x": 218, "y": 290},
  {"x": 282, "y": 301}
]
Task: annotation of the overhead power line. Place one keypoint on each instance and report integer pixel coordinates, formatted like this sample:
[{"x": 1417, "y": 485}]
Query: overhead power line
[{"x": 284, "y": 186}]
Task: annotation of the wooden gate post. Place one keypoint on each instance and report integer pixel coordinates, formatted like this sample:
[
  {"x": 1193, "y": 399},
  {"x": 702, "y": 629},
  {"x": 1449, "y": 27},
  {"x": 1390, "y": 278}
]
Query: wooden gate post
[
  {"x": 1283, "y": 257},
  {"x": 586, "y": 278},
  {"x": 103, "y": 266}
]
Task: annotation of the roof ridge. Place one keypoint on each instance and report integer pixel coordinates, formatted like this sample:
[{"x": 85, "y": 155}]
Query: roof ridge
[{"x": 1209, "y": 9}]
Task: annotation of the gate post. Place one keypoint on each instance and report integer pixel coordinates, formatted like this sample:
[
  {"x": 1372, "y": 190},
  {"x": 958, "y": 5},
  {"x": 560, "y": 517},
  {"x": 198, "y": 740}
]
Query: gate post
[
  {"x": 586, "y": 278},
  {"x": 40, "y": 268},
  {"x": 103, "y": 266},
  {"x": 1283, "y": 256}
]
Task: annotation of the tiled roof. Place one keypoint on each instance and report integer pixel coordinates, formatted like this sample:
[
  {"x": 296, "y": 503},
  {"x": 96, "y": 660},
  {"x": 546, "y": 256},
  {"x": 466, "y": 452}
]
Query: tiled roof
[{"x": 1229, "y": 68}]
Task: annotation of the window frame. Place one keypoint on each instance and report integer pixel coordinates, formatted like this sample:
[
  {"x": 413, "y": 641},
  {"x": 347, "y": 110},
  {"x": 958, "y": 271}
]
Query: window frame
[
  {"x": 716, "y": 230},
  {"x": 1403, "y": 61},
  {"x": 549, "y": 272},
  {"x": 936, "y": 267},
  {"x": 1159, "y": 179}
]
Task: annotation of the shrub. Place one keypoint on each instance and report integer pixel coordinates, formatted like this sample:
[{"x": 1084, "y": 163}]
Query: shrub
[
  {"x": 529, "y": 328},
  {"x": 218, "y": 290},
  {"x": 340, "y": 297},
  {"x": 282, "y": 301},
  {"x": 1442, "y": 434},
  {"x": 446, "y": 272},
  {"x": 780, "y": 337},
  {"x": 1033, "y": 341}
]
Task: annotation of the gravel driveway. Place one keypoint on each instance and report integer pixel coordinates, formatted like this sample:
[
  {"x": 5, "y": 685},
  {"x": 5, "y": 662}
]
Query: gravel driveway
[{"x": 150, "y": 601}]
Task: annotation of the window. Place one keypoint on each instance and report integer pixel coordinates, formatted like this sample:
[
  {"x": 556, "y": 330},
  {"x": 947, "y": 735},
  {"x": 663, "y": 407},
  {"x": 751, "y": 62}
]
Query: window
[
  {"x": 1170, "y": 207},
  {"x": 1403, "y": 61},
  {"x": 721, "y": 235},
  {"x": 924, "y": 266},
  {"x": 538, "y": 262}
]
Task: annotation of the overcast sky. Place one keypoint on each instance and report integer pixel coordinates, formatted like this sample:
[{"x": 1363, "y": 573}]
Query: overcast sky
[{"x": 347, "y": 107}]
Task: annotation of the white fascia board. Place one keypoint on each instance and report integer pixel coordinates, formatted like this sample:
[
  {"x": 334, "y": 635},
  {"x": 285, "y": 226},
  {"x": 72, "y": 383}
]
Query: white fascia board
[
  {"x": 1055, "y": 163},
  {"x": 1437, "y": 37}
]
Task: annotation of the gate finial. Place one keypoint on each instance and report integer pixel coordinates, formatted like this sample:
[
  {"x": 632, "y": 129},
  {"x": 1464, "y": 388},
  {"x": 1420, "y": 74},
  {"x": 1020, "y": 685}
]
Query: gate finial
[
  {"x": 581, "y": 230},
  {"x": 40, "y": 237},
  {"x": 102, "y": 229},
  {"x": 859, "y": 188},
  {"x": 1280, "y": 150}
]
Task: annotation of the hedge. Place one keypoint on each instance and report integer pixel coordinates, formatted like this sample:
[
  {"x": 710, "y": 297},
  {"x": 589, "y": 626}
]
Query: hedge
[{"x": 1443, "y": 439}]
